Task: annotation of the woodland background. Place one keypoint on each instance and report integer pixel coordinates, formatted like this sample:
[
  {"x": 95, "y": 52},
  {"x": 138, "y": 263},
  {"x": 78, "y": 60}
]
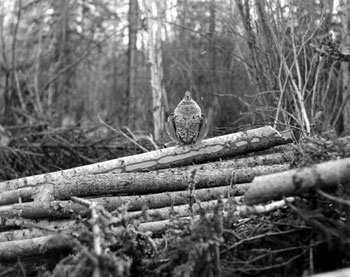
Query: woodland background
[{"x": 246, "y": 62}]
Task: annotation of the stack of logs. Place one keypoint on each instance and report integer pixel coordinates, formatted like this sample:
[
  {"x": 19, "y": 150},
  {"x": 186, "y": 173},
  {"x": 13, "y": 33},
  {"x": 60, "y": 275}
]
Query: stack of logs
[{"x": 159, "y": 180}]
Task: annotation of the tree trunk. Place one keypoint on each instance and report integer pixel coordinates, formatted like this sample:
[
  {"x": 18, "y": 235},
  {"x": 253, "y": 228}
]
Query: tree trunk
[
  {"x": 63, "y": 87},
  {"x": 345, "y": 67},
  {"x": 131, "y": 97},
  {"x": 9, "y": 66},
  {"x": 155, "y": 9},
  {"x": 245, "y": 13},
  {"x": 210, "y": 149},
  {"x": 213, "y": 104},
  {"x": 298, "y": 181}
]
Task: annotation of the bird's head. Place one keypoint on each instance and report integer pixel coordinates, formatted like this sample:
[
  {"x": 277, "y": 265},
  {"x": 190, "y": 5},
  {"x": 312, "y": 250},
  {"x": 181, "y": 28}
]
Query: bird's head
[
  {"x": 187, "y": 96},
  {"x": 187, "y": 106}
]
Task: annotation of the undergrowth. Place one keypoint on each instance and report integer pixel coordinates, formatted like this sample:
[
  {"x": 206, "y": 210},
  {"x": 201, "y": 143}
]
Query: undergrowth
[
  {"x": 311, "y": 235},
  {"x": 40, "y": 149}
]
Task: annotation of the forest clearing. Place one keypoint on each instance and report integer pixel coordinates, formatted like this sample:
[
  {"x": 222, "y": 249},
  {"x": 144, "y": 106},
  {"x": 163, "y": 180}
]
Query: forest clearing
[{"x": 174, "y": 138}]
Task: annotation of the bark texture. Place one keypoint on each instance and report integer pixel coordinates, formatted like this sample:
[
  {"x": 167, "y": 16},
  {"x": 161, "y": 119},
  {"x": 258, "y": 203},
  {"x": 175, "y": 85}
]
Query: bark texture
[{"x": 298, "y": 181}]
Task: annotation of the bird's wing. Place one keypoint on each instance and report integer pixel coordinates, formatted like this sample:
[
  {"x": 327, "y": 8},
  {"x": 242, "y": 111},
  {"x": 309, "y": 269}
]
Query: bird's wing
[
  {"x": 171, "y": 128},
  {"x": 203, "y": 128}
]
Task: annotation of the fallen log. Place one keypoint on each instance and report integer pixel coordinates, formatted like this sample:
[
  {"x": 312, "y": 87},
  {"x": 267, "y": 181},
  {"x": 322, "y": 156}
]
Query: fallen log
[
  {"x": 298, "y": 181},
  {"x": 136, "y": 183},
  {"x": 275, "y": 155},
  {"x": 345, "y": 272},
  {"x": 67, "y": 226},
  {"x": 209, "y": 149},
  {"x": 39, "y": 228},
  {"x": 18, "y": 223},
  {"x": 23, "y": 234},
  {"x": 69, "y": 208},
  {"x": 11, "y": 250},
  {"x": 282, "y": 148},
  {"x": 180, "y": 210},
  {"x": 242, "y": 211}
]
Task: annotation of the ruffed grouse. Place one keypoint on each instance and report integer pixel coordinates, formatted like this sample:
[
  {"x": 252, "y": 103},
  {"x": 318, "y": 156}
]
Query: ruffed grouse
[{"x": 187, "y": 125}]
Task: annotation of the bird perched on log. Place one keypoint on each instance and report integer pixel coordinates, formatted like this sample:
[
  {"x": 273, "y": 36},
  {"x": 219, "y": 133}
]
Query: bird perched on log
[{"x": 187, "y": 125}]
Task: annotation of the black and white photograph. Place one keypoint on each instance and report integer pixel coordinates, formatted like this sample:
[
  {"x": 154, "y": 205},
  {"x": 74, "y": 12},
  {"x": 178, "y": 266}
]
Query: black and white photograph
[{"x": 174, "y": 138}]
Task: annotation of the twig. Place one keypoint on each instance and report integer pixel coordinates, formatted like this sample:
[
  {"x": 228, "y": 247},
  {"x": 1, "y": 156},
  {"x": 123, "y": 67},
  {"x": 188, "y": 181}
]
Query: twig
[
  {"x": 121, "y": 132},
  {"x": 96, "y": 231},
  {"x": 333, "y": 198},
  {"x": 270, "y": 234},
  {"x": 257, "y": 269},
  {"x": 342, "y": 107},
  {"x": 312, "y": 221},
  {"x": 68, "y": 146},
  {"x": 14, "y": 70},
  {"x": 81, "y": 201},
  {"x": 311, "y": 258},
  {"x": 149, "y": 138},
  {"x": 131, "y": 133},
  {"x": 191, "y": 189},
  {"x": 97, "y": 237}
]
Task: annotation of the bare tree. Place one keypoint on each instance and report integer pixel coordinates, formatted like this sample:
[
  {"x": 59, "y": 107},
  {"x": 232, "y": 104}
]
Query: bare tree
[
  {"x": 213, "y": 103},
  {"x": 131, "y": 95},
  {"x": 154, "y": 10},
  {"x": 9, "y": 66},
  {"x": 63, "y": 87}
]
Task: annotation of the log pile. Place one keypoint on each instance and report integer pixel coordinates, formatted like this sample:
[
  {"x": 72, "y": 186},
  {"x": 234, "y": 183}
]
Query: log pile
[
  {"x": 247, "y": 168},
  {"x": 153, "y": 180}
]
